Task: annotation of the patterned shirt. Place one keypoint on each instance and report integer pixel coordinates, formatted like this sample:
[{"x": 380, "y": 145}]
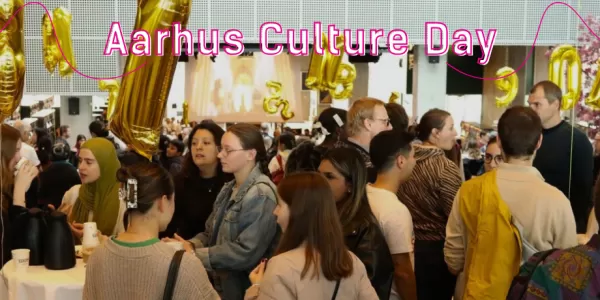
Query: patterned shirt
[
  {"x": 429, "y": 192},
  {"x": 572, "y": 273}
]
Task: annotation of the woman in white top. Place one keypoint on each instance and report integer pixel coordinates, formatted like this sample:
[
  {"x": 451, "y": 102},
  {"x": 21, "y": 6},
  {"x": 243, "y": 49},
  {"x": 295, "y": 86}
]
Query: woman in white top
[
  {"x": 97, "y": 198},
  {"x": 312, "y": 260},
  {"x": 287, "y": 142}
]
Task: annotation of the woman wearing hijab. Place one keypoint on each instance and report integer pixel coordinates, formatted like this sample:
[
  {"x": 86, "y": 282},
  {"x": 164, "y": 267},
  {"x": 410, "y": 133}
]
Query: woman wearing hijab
[{"x": 97, "y": 198}]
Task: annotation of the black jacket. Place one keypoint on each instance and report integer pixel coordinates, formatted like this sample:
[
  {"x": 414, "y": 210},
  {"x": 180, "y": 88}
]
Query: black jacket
[{"x": 369, "y": 245}]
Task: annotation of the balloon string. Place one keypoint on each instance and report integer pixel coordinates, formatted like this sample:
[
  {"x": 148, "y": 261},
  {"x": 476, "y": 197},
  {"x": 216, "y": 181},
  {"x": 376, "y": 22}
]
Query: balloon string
[
  {"x": 60, "y": 48},
  {"x": 533, "y": 45},
  {"x": 449, "y": 65}
]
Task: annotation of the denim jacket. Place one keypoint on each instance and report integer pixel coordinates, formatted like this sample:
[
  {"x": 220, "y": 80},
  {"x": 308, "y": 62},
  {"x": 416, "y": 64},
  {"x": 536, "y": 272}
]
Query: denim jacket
[{"x": 239, "y": 233}]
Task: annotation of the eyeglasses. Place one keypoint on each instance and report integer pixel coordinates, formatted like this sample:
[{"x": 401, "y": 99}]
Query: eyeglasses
[
  {"x": 386, "y": 122},
  {"x": 497, "y": 158},
  {"x": 227, "y": 151}
]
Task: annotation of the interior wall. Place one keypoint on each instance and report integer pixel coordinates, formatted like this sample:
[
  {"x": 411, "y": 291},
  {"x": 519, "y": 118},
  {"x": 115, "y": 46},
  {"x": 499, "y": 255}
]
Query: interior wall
[{"x": 79, "y": 123}]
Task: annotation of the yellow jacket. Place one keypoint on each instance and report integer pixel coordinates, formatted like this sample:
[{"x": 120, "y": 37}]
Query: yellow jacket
[{"x": 494, "y": 245}]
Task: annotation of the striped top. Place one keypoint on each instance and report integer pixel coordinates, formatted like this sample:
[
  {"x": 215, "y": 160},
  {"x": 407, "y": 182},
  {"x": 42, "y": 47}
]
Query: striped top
[{"x": 429, "y": 192}]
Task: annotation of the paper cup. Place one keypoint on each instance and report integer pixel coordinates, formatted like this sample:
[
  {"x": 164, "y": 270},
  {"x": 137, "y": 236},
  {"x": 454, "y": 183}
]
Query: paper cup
[
  {"x": 176, "y": 245},
  {"x": 21, "y": 259},
  {"x": 90, "y": 235}
]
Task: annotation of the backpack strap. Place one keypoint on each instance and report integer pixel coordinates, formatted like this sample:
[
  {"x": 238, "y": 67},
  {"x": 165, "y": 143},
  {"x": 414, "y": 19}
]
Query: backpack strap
[
  {"x": 172, "y": 276},
  {"x": 531, "y": 266},
  {"x": 279, "y": 161},
  {"x": 335, "y": 291}
]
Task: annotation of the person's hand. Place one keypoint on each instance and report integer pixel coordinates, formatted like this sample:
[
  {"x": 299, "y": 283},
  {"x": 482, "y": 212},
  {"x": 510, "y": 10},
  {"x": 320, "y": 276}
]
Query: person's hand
[
  {"x": 257, "y": 274},
  {"x": 187, "y": 246},
  {"x": 25, "y": 175},
  {"x": 101, "y": 237},
  {"x": 77, "y": 229}
]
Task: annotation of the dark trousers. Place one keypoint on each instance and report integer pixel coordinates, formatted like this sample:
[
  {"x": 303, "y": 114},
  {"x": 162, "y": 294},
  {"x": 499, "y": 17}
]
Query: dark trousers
[{"x": 434, "y": 281}]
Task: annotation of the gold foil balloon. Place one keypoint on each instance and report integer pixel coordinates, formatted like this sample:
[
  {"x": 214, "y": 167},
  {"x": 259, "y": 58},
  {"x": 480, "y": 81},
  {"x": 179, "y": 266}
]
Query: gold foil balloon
[
  {"x": 112, "y": 87},
  {"x": 394, "y": 97},
  {"x": 593, "y": 99},
  {"x": 344, "y": 82},
  {"x": 316, "y": 67},
  {"x": 323, "y": 69},
  {"x": 139, "y": 112},
  {"x": 333, "y": 63},
  {"x": 273, "y": 101},
  {"x": 12, "y": 58},
  {"x": 561, "y": 56},
  {"x": 185, "y": 118},
  {"x": 508, "y": 85},
  {"x": 61, "y": 18}
]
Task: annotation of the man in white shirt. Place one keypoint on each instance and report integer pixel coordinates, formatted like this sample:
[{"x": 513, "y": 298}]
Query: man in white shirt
[
  {"x": 26, "y": 150},
  {"x": 393, "y": 158}
]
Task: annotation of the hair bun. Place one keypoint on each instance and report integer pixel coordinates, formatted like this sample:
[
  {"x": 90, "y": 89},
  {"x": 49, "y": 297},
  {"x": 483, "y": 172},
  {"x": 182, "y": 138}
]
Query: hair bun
[{"x": 123, "y": 174}]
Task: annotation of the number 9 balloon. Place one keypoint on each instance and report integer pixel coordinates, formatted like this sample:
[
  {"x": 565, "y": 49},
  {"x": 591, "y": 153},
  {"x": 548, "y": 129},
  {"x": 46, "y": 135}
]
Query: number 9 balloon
[
  {"x": 508, "y": 85},
  {"x": 556, "y": 73},
  {"x": 12, "y": 58}
]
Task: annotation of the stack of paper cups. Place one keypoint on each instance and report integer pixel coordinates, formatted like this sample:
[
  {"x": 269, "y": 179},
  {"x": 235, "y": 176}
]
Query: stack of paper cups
[
  {"x": 21, "y": 259},
  {"x": 90, "y": 235}
]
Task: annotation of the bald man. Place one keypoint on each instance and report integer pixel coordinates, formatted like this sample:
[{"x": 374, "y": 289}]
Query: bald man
[{"x": 26, "y": 150}]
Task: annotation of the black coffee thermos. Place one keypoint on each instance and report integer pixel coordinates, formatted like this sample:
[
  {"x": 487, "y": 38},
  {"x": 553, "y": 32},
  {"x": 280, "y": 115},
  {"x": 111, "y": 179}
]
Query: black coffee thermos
[
  {"x": 34, "y": 229},
  {"x": 59, "y": 245}
]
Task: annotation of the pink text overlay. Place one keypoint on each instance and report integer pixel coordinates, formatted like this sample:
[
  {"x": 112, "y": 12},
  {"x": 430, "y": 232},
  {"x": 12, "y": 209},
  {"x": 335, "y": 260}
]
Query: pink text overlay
[{"x": 437, "y": 41}]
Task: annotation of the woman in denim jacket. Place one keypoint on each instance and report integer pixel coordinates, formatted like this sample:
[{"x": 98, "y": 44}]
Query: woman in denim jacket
[{"x": 241, "y": 229}]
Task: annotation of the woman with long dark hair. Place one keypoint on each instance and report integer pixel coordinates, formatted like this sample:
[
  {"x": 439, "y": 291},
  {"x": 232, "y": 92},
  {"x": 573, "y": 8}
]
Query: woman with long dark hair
[
  {"x": 345, "y": 170},
  {"x": 199, "y": 182},
  {"x": 312, "y": 260},
  {"x": 241, "y": 229}
]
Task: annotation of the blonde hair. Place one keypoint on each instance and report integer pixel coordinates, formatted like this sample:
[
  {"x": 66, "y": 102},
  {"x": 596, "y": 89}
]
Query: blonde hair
[{"x": 361, "y": 110}]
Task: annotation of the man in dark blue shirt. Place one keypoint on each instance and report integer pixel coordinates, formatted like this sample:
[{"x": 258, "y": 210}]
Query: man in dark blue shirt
[{"x": 565, "y": 158}]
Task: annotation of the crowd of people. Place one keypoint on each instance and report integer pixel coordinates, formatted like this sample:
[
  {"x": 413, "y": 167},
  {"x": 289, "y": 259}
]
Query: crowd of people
[{"x": 366, "y": 206}]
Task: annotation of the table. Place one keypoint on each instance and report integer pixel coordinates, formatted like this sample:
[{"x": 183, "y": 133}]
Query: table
[{"x": 40, "y": 283}]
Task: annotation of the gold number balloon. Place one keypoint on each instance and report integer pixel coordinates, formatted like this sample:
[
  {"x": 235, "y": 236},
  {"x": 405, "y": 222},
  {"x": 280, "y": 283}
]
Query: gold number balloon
[
  {"x": 323, "y": 69},
  {"x": 273, "y": 101},
  {"x": 508, "y": 85},
  {"x": 139, "y": 112},
  {"x": 394, "y": 97},
  {"x": 344, "y": 82},
  {"x": 593, "y": 99},
  {"x": 12, "y": 57},
  {"x": 186, "y": 110},
  {"x": 61, "y": 18},
  {"x": 112, "y": 87},
  {"x": 561, "y": 56}
]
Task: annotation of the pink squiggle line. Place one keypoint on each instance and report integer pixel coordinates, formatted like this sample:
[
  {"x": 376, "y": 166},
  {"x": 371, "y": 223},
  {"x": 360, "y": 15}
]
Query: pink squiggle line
[
  {"x": 59, "y": 47},
  {"x": 532, "y": 46}
]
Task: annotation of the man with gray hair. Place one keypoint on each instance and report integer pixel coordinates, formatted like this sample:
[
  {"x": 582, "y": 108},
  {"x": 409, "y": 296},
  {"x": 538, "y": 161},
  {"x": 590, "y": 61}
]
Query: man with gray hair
[{"x": 26, "y": 150}]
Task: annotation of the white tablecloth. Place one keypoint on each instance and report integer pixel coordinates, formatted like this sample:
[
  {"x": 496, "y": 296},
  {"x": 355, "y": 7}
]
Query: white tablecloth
[{"x": 40, "y": 283}]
